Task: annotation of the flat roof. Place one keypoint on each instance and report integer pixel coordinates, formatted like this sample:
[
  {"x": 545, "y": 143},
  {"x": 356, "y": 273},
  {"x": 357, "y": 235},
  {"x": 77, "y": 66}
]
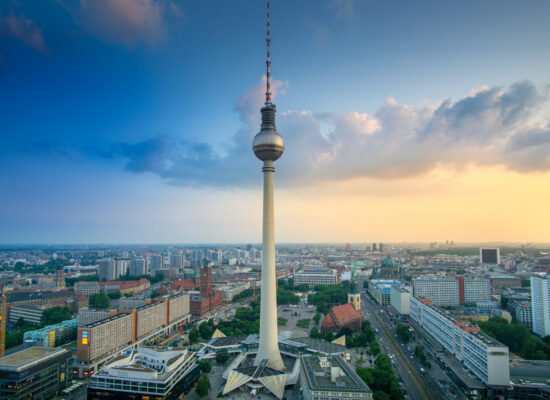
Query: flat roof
[
  {"x": 20, "y": 359},
  {"x": 104, "y": 321},
  {"x": 320, "y": 377}
]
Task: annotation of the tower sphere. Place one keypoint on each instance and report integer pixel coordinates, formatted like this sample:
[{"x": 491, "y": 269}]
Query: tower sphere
[{"x": 268, "y": 144}]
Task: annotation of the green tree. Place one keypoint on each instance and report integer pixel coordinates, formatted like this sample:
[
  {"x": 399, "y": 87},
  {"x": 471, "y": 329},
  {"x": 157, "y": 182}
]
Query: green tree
[
  {"x": 155, "y": 293},
  {"x": 205, "y": 330},
  {"x": 54, "y": 315},
  {"x": 315, "y": 334},
  {"x": 365, "y": 374},
  {"x": 317, "y": 318},
  {"x": 403, "y": 332},
  {"x": 193, "y": 336},
  {"x": 99, "y": 301},
  {"x": 115, "y": 295},
  {"x": 205, "y": 366},
  {"x": 222, "y": 356},
  {"x": 203, "y": 386},
  {"x": 374, "y": 348},
  {"x": 286, "y": 297}
]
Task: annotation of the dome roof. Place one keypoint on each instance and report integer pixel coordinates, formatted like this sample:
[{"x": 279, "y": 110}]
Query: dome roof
[{"x": 388, "y": 263}]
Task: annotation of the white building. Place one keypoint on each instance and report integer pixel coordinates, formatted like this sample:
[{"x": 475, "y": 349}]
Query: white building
[
  {"x": 176, "y": 261},
  {"x": 230, "y": 291},
  {"x": 540, "y": 303},
  {"x": 400, "y": 299},
  {"x": 87, "y": 316},
  {"x": 485, "y": 357},
  {"x": 441, "y": 290},
  {"x": 106, "y": 270},
  {"x": 86, "y": 288},
  {"x": 146, "y": 373},
  {"x": 380, "y": 290},
  {"x": 316, "y": 277}
]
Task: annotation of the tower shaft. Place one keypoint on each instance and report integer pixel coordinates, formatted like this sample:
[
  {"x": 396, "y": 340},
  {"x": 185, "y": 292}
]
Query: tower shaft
[{"x": 269, "y": 345}]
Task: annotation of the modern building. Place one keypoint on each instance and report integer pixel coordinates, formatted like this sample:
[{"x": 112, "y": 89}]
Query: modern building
[
  {"x": 230, "y": 291},
  {"x": 400, "y": 299},
  {"x": 52, "y": 335},
  {"x": 145, "y": 373},
  {"x": 106, "y": 270},
  {"x": 442, "y": 291},
  {"x": 34, "y": 373},
  {"x": 380, "y": 290},
  {"x": 540, "y": 303},
  {"x": 176, "y": 261},
  {"x": 485, "y": 357},
  {"x": 330, "y": 378},
  {"x": 88, "y": 316},
  {"x": 474, "y": 289},
  {"x": 30, "y": 313},
  {"x": 340, "y": 317},
  {"x": 316, "y": 277},
  {"x": 489, "y": 256}
]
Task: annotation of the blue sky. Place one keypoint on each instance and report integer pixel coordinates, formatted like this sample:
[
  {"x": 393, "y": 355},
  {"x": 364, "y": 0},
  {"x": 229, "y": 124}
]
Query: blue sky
[{"x": 119, "y": 118}]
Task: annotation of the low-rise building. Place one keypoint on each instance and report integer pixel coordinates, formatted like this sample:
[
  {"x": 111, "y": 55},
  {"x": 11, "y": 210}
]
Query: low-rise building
[
  {"x": 34, "y": 373},
  {"x": 330, "y": 378},
  {"x": 53, "y": 335},
  {"x": 315, "y": 277},
  {"x": 86, "y": 288},
  {"x": 30, "y": 313},
  {"x": 145, "y": 373},
  {"x": 522, "y": 311},
  {"x": 340, "y": 317}
]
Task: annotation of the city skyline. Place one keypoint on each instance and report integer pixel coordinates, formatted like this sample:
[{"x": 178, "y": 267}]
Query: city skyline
[{"x": 424, "y": 123}]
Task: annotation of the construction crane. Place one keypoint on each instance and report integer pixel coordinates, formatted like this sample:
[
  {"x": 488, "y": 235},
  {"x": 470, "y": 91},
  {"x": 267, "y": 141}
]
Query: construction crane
[{"x": 3, "y": 322}]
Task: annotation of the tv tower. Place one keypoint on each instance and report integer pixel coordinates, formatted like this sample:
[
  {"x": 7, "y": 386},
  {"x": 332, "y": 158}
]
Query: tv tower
[{"x": 268, "y": 146}]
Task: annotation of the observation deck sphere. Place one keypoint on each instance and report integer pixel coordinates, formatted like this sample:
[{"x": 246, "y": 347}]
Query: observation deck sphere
[{"x": 268, "y": 145}]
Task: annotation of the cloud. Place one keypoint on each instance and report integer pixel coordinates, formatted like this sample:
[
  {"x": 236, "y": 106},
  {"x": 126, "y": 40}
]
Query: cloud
[
  {"x": 493, "y": 127},
  {"x": 128, "y": 22},
  {"x": 23, "y": 29}
]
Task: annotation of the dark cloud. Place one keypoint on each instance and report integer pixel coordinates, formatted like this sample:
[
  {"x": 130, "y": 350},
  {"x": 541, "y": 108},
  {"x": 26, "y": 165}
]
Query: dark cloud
[{"x": 490, "y": 127}]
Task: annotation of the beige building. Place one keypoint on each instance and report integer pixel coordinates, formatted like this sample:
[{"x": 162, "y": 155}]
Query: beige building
[
  {"x": 179, "y": 306},
  {"x": 149, "y": 319}
]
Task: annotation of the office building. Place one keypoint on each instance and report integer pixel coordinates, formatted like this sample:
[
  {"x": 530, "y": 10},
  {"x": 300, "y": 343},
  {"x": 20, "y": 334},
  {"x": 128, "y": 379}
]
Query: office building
[
  {"x": 441, "y": 290},
  {"x": 86, "y": 288},
  {"x": 34, "y": 373},
  {"x": 400, "y": 299},
  {"x": 380, "y": 290},
  {"x": 485, "y": 357},
  {"x": 540, "y": 303},
  {"x": 145, "y": 373},
  {"x": 489, "y": 256},
  {"x": 316, "y": 277},
  {"x": 330, "y": 378},
  {"x": 138, "y": 266}
]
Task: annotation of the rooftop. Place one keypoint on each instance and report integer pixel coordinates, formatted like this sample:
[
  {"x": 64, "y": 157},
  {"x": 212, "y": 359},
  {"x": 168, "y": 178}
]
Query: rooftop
[{"x": 25, "y": 358}]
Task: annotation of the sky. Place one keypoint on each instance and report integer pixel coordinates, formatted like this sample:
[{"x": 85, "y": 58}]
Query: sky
[{"x": 131, "y": 121}]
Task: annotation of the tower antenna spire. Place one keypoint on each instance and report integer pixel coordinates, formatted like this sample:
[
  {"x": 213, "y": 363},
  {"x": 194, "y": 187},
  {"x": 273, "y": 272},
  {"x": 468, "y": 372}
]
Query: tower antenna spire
[{"x": 268, "y": 61}]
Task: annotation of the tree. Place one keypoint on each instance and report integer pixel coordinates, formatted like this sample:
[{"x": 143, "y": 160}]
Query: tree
[
  {"x": 54, "y": 315},
  {"x": 317, "y": 318},
  {"x": 329, "y": 337},
  {"x": 203, "y": 386},
  {"x": 193, "y": 336},
  {"x": 155, "y": 293},
  {"x": 286, "y": 297},
  {"x": 365, "y": 374},
  {"x": 222, "y": 356},
  {"x": 205, "y": 366},
  {"x": 374, "y": 348},
  {"x": 503, "y": 302},
  {"x": 99, "y": 301},
  {"x": 115, "y": 295},
  {"x": 205, "y": 330},
  {"x": 315, "y": 334},
  {"x": 403, "y": 332}
]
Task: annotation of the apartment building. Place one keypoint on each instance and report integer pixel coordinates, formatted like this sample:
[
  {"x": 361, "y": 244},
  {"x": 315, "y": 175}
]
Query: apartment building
[
  {"x": 400, "y": 299},
  {"x": 149, "y": 318},
  {"x": 522, "y": 311},
  {"x": 485, "y": 357},
  {"x": 540, "y": 303},
  {"x": 442, "y": 291}
]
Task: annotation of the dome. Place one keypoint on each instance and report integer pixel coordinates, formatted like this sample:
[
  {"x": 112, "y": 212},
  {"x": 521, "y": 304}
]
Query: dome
[
  {"x": 388, "y": 263},
  {"x": 268, "y": 144}
]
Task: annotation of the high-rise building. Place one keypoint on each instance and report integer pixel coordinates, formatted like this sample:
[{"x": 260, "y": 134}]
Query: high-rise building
[
  {"x": 156, "y": 262},
  {"x": 138, "y": 266},
  {"x": 489, "y": 256},
  {"x": 59, "y": 278},
  {"x": 107, "y": 270},
  {"x": 176, "y": 261},
  {"x": 540, "y": 303}
]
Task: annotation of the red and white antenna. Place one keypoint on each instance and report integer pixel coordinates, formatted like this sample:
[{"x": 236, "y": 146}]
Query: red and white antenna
[{"x": 268, "y": 62}]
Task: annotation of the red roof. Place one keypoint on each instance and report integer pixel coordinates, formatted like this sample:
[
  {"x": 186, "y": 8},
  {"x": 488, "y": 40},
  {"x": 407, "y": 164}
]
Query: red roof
[
  {"x": 345, "y": 313},
  {"x": 328, "y": 321},
  {"x": 184, "y": 284}
]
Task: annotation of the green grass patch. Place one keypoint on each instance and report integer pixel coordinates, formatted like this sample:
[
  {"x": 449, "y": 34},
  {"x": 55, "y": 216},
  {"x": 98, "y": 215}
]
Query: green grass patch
[
  {"x": 281, "y": 321},
  {"x": 303, "y": 323}
]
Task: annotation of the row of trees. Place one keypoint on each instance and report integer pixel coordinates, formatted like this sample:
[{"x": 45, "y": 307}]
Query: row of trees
[
  {"x": 289, "y": 285},
  {"x": 326, "y": 296},
  {"x": 381, "y": 379},
  {"x": 518, "y": 338},
  {"x": 286, "y": 297}
]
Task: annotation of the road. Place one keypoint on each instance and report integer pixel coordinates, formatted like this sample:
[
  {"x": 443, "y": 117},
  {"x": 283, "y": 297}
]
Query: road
[{"x": 414, "y": 383}]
